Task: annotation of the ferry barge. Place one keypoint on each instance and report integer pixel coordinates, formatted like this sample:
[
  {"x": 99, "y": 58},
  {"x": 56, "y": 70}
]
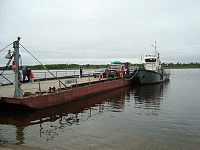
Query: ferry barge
[
  {"x": 63, "y": 96},
  {"x": 55, "y": 96}
]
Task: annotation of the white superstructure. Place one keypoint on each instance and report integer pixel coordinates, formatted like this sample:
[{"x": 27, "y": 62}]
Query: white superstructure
[{"x": 152, "y": 62}]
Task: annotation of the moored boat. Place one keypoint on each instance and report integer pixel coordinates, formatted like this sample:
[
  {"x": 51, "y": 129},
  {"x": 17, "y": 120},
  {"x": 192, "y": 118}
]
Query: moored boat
[{"x": 152, "y": 72}]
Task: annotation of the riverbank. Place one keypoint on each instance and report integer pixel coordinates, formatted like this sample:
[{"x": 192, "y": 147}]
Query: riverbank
[
  {"x": 181, "y": 65},
  {"x": 91, "y": 66},
  {"x": 181, "y": 68}
]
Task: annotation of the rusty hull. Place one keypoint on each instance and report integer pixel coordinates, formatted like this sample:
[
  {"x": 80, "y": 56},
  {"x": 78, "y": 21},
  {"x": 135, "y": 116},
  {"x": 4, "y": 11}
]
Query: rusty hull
[{"x": 53, "y": 99}]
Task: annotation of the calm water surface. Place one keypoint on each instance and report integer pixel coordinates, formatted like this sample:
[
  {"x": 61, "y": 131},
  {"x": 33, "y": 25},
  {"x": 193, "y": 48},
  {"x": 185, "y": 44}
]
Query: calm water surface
[{"x": 163, "y": 116}]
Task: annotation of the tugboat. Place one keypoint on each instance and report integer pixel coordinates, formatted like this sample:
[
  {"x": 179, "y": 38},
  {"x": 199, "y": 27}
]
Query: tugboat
[{"x": 152, "y": 72}]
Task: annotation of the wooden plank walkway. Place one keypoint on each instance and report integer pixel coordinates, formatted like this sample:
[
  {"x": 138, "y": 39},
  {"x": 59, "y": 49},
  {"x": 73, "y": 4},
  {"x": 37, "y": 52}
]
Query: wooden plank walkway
[{"x": 8, "y": 90}]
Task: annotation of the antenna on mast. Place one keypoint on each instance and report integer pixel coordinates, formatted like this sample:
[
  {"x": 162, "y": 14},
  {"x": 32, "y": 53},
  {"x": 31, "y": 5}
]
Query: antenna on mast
[{"x": 155, "y": 46}]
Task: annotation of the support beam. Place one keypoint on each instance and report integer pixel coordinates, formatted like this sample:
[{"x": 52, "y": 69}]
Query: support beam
[{"x": 18, "y": 91}]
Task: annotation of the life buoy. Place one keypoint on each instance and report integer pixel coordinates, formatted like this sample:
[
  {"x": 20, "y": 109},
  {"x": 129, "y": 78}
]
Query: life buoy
[
  {"x": 14, "y": 66},
  {"x": 121, "y": 75},
  {"x": 100, "y": 76}
]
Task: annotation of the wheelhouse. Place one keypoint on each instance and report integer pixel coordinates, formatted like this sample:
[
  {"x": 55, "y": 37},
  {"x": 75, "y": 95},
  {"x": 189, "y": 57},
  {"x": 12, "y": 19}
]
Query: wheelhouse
[{"x": 150, "y": 60}]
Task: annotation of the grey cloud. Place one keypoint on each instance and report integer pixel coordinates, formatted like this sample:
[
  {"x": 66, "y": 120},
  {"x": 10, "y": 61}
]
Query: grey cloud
[{"x": 102, "y": 30}]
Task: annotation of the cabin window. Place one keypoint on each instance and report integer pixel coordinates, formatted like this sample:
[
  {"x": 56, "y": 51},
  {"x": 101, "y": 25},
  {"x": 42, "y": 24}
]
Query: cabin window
[{"x": 150, "y": 60}]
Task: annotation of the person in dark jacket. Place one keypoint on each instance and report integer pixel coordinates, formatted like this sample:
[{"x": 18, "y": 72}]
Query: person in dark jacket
[
  {"x": 81, "y": 72},
  {"x": 28, "y": 71},
  {"x": 24, "y": 74}
]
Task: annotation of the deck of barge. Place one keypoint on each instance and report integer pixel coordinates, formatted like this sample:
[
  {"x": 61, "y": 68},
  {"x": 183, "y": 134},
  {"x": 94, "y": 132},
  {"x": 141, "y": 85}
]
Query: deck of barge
[{"x": 8, "y": 90}]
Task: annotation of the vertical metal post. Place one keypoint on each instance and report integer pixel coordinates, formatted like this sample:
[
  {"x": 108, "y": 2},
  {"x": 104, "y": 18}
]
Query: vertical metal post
[
  {"x": 39, "y": 86},
  {"x": 107, "y": 76},
  {"x": 59, "y": 84},
  {"x": 89, "y": 78},
  {"x": 76, "y": 81},
  {"x": 56, "y": 74},
  {"x": 18, "y": 91}
]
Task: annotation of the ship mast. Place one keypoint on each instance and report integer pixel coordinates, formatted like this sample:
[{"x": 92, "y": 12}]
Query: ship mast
[{"x": 155, "y": 46}]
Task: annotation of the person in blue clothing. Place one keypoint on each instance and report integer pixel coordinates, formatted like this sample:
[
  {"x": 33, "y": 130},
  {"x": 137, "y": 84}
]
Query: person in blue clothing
[
  {"x": 24, "y": 74},
  {"x": 28, "y": 71}
]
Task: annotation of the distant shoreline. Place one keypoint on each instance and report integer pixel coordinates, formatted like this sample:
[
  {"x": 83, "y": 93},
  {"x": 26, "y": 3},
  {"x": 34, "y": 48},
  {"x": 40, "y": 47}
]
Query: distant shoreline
[
  {"x": 181, "y": 68},
  {"x": 98, "y": 68},
  {"x": 90, "y": 66}
]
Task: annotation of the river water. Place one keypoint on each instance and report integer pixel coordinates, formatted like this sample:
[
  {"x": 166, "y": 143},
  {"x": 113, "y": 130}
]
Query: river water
[{"x": 162, "y": 116}]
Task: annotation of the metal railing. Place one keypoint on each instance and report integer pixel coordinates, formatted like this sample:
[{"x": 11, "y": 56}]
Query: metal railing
[
  {"x": 51, "y": 86},
  {"x": 44, "y": 75},
  {"x": 44, "y": 82}
]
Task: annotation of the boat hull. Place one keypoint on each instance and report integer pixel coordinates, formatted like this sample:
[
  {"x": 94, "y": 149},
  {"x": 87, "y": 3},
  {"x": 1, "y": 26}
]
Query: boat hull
[
  {"x": 61, "y": 97},
  {"x": 151, "y": 77}
]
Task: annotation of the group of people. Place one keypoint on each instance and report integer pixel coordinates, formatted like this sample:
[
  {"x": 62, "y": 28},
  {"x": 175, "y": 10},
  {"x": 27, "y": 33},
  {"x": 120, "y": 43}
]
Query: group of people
[{"x": 26, "y": 72}]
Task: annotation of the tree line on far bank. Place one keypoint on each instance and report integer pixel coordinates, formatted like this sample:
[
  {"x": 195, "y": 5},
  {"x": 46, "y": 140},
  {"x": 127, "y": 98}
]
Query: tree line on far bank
[
  {"x": 90, "y": 66},
  {"x": 58, "y": 66},
  {"x": 181, "y": 65}
]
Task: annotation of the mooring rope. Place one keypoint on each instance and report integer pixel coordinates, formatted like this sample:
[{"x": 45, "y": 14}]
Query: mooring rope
[
  {"x": 42, "y": 65},
  {"x": 1, "y": 74},
  {"x": 6, "y": 47},
  {"x": 6, "y": 65},
  {"x": 6, "y": 79},
  {"x": 133, "y": 75}
]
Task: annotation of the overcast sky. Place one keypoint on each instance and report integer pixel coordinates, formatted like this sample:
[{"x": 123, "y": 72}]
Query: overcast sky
[{"x": 101, "y": 31}]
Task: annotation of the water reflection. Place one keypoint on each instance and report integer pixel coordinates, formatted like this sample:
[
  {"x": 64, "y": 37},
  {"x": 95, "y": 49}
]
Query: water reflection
[
  {"x": 54, "y": 121},
  {"x": 64, "y": 116},
  {"x": 149, "y": 97},
  {"x": 20, "y": 134},
  {"x": 146, "y": 117}
]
